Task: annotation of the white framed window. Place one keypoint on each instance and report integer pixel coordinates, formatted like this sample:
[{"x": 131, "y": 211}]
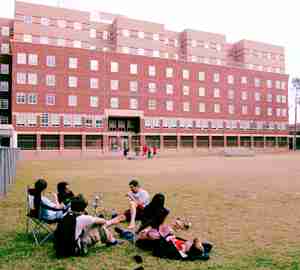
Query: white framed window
[
  {"x": 114, "y": 67},
  {"x": 156, "y": 53},
  {"x": 5, "y": 48},
  {"x": 201, "y": 91},
  {"x": 68, "y": 122},
  {"x": 32, "y": 59},
  {"x": 194, "y": 43},
  {"x": 50, "y": 61},
  {"x": 5, "y": 31},
  {"x": 77, "y": 26},
  {"x": 216, "y": 92},
  {"x": 152, "y": 104},
  {"x": 186, "y": 90},
  {"x": 133, "y": 69},
  {"x": 175, "y": 43},
  {"x": 4, "y": 86},
  {"x": 269, "y": 84},
  {"x": 269, "y": 97},
  {"x": 152, "y": 87},
  {"x": 55, "y": 119},
  {"x": 4, "y": 120},
  {"x": 4, "y": 69},
  {"x": 169, "y": 105},
  {"x": 269, "y": 111},
  {"x": 125, "y": 33},
  {"x": 27, "y": 38},
  {"x": 256, "y": 82},
  {"x": 61, "y": 23},
  {"x": 186, "y": 106},
  {"x": 282, "y": 85},
  {"x": 185, "y": 74},
  {"x": 155, "y": 36},
  {"x": 243, "y": 80},
  {"x": 194, "y": 58},
  {"x": 114, "y": 102},
  {"x": 169, "y": 72},
  {"x": 244, "y": 95},
  {"x": 3, "y": 104},
  {"x": 230, "y": 94},
  {"x": 114, "y": 84},
  {"x": 125, "y": 50},
  {"x": 50, "y": 100},
  {"x": 93, "y": 33},
  {"x": 61, "y": 42},
  {"x": 94, "y": 83},
  {"x": 133, "y": 86},
  {"x": 50, "y": 80},
  {"x": 141, "y": 34},
  {"x": 244, "y": 109},
  {"x": 73, "y": 62},
  {"x": 140, "y": 51},
  {"x": 257, "y": 111},
  {"x": 283, "y": 99},
  {"x": 44, "y": 40},
  {"x": 27, "y": 19},
  {"x": 21, "y": 78},
  {"x": 169, "y": 89},
  {"x": 278, "y": 112},
  {"x": 277, "y": 84},
  {"x": 216, "y": 77},
  {"x": 21, "y": 59},
  {"x": 94, "y": 102},
  {"x": 45, "y": 21},
  {"x": 32, "y": 78},
  {"x": 217, "y": 108},
  {"x": 72, "y": 81},
  {"x": 94, "y": 65},
  {"x": 151, "y": 71},
  {"x": 201, "y": 107},
  {"x": 201, "y": 76},
  {"x": 231, "y": 109},
  {"x": 284, "y": 112},
  {"x": 77, "y": 44},
  {"x": 72, "y": 101},
  {"x": 32, "y": 98},
  {"x": 20, "y": 98},
  {"x": 257, "y": 96},
  {"x": 230, "y": 79},
  {"x": 133, "y": 103},
  {"x": 105, "y": 35}
]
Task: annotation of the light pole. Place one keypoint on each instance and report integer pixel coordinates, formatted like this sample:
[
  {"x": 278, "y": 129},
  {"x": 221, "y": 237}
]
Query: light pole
[{"x": 296, "y": 84}]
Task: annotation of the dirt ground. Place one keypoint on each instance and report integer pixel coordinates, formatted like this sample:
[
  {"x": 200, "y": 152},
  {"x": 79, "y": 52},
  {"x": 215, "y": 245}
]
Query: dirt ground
[{"x": 241, "y": 204}]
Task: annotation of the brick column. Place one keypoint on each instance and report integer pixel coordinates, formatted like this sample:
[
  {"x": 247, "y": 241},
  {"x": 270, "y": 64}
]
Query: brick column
[
  {"x": 178, "y": 143},
  {"x": 265, "y": 142},
  {"x": 209, "y": 142},
  {"x": 276, "y": 142},
  {"x": 105, "y": 143},
  {"x": 239, "y": 140},
  {"x": 130, "y": 142},
  {"x": 161, "y": 139},
  {"x": 194, "y": 142},
  {"x": 61, "y": 142},
  {"x": 251, "y": 142},
  {"x": 225, "y": 141},
  {"x": 83, "y": 142},
  {"x": 142, "y": 140},
  {"x": 38, "y": 141}
]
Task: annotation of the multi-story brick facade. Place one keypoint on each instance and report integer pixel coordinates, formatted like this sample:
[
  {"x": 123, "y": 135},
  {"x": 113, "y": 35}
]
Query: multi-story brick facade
[{"x": 100, "y": 80}]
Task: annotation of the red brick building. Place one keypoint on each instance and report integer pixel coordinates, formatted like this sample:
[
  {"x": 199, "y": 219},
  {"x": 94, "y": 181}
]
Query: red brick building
[{"x": 95, "y": 80}]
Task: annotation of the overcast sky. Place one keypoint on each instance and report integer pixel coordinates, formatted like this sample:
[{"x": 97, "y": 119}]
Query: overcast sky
[{"x": 260, "y": 20}]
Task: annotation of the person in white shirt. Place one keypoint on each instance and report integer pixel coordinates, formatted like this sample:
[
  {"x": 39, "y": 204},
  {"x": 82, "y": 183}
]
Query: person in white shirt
[{"x": 138, "y": 198}]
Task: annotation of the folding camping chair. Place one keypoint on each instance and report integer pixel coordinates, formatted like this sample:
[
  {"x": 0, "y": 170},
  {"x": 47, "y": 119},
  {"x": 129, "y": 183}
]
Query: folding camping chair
[{"x": 41, "y": 230}]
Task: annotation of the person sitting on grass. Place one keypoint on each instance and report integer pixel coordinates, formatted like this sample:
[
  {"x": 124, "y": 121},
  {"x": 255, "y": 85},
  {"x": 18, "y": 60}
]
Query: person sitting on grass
[
  {"x": 44, "y": 208},
  {"x": 78, "y": 231},
  {"x": 64, "y": 194},
  {"x": 138, "y": 200}
]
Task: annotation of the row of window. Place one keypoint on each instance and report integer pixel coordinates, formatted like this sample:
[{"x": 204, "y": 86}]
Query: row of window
[
  {"x": 3, "y": 104},
  {"x": 274, "y": 69},
  {"x": 32, "y": 59},
  {"x": 56, "y": 120},
  {"x": 32, "y": 98},
  {"x": 212, "y": 123},
  {"x": 264, "y": 55}
]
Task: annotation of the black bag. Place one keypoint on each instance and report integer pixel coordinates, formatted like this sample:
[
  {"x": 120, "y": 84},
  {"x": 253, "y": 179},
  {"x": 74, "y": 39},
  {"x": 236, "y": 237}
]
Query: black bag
[{"x": 64, "y": 237}]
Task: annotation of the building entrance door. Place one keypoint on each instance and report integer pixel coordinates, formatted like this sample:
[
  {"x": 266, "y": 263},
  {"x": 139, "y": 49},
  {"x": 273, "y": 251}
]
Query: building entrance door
[{"x": 114, "y": 144}]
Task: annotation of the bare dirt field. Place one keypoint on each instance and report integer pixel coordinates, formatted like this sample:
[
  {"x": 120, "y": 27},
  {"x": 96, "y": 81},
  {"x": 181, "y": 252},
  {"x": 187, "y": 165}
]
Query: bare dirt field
[{"x": 249, "y": 207}]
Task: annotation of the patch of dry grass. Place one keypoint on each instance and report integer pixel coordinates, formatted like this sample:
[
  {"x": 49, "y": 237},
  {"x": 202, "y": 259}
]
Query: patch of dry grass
[{"x": 248, "y": 207}]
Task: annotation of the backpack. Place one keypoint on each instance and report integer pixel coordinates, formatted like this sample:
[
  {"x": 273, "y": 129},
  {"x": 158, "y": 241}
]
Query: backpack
[{"x": 64, "y": 237}]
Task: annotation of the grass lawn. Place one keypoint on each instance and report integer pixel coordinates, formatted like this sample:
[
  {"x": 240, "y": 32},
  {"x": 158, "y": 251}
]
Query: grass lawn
[{"x": 248, "y": 207}]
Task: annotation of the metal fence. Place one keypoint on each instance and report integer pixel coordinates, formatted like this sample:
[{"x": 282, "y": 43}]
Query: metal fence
[{"x": 8, "y": 160}]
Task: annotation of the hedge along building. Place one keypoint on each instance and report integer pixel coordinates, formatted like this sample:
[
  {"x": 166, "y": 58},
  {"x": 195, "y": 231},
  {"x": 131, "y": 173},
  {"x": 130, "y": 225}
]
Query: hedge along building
[{"x": 99, "y": 81}]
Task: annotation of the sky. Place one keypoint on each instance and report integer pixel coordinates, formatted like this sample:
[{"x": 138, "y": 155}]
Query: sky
[{"x": 267, "y": 21}]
